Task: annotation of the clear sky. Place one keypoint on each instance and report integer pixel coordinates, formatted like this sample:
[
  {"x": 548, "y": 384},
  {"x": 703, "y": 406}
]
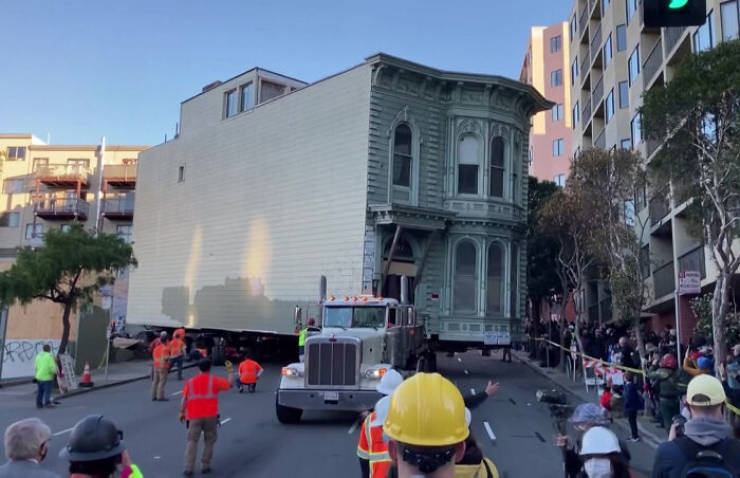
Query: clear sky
[{"x": 78, "y": 70}]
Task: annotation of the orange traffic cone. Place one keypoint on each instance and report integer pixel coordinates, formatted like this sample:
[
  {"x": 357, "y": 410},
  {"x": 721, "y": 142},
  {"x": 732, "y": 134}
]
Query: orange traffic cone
[{"x": 86, "y": 380}]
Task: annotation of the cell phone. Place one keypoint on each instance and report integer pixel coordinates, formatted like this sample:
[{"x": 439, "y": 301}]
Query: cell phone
[{"x": 679, "y": 421}]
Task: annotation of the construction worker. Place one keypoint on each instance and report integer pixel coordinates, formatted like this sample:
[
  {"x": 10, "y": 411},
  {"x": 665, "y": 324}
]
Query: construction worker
[
  {"x": 200, "y": 408},
  {"x": 372, "y": 451},
  {"x": 177, "y": 351},
  {"x": 249, "y": 372},
  {"x": 426, "y": 426},
  {"x": 302, "y": 339},
  {"x": 160, "y": 368}
]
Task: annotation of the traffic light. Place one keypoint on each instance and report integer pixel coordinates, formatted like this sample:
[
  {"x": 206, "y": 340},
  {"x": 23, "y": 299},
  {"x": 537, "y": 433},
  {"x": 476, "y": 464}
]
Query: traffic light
[{"x": 674, "y": 13}]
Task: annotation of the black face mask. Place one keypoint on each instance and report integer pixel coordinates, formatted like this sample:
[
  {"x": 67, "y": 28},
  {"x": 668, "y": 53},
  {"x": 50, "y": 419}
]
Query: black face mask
[{"x": 427, "y": 461}]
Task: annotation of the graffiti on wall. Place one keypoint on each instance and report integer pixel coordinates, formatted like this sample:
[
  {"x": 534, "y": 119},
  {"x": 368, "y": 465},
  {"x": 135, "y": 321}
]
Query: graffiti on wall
[{"x": 19, "y": 356}]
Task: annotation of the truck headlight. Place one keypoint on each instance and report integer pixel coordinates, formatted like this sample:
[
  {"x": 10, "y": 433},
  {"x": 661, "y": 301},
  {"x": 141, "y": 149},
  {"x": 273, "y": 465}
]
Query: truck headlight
[
  {"x": 290, "y": 372},
  {"x": 375, "y": 373}
]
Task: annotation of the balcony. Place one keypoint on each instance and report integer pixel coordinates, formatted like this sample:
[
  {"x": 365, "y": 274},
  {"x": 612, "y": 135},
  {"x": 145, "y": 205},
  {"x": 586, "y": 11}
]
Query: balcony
[
  {"x": 121, "y": 176},
  {"x": 598, "y": 93},
  {"x": 652, "y": 64},
  {"x": 583, "y": 21},
  {"x": 596, "y": 43},
  {"x": 62, "y": 175},
  {"x": 652, "y": 145},
  {"x": 659, "y": 207},
  {"x": 693, "y": 261},
  {"x": 600, "y": 141},
  {"x": 586, "y": 64},
  {"x": 62, "y": 209},
  {"x": 586, "y": 114},
  {"x": 673, "y": 36},
  {"x": 664, "y": 280},
  {"x": 118, "y": 206}
]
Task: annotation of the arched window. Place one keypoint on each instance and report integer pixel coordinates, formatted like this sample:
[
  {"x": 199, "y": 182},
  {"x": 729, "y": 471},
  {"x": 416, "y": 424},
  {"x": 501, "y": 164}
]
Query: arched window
[
  {"x": 468, "y": 164},
  {"x": 402, "y": 156},
  {"x": 497, "y": 167},
  {"x": 495, "y": 279},
  {"x": 465, "y": 281}
]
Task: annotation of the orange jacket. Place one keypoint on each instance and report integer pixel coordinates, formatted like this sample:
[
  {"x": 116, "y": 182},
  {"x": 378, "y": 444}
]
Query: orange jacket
[
  {"x": 249, "y": 371},
  {"x": 200, "y": 395},
  {"x": 177, "y": 347},
  {"x": 160, "y": 356},
  {"x": 371, "y": 447}
]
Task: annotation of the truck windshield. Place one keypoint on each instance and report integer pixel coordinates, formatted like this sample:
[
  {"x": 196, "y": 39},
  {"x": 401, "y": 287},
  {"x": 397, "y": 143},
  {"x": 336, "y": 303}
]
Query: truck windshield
[{"x": 347, "y": 317}]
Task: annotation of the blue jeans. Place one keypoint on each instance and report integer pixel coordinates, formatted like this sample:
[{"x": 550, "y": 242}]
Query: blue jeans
[
  {"x": 43, "y": 392},
  {"x": 177, "y": 361}
]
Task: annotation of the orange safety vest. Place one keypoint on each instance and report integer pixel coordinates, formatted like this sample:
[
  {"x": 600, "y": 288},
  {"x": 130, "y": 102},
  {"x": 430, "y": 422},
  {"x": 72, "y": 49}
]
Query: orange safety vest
[
  {"x": 201, "y": 395},
  {"x": 160, "y": 356},
  {"x": 177, "y": 347},
  {"x": 371, "y": 447},
  {"x": 179, "y": 333},
  {"x": 248, "y": 371}
]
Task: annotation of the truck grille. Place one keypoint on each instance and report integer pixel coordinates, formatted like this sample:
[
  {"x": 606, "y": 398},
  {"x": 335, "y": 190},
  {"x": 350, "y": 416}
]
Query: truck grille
[{"x": 332, "y": 363}]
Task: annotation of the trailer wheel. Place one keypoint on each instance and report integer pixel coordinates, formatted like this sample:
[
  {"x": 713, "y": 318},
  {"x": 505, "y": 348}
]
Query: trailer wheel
[{"x": 287, "y": 415}]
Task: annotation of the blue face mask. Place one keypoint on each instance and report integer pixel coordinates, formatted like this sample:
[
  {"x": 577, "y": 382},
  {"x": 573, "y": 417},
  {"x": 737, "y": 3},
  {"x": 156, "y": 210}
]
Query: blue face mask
[{"x": 598, "y": 468}]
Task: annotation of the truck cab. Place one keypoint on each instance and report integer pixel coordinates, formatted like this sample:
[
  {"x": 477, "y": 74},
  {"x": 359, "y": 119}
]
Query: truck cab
[{"x": 361, "y": 338}]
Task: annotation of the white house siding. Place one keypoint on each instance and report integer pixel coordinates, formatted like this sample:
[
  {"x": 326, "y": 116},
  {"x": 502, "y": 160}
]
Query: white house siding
[{"x": 272, "y": 199}]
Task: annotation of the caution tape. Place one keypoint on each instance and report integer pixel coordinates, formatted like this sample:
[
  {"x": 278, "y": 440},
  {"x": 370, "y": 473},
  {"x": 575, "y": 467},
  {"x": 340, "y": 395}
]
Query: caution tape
[{"x": 732, "y": 408}]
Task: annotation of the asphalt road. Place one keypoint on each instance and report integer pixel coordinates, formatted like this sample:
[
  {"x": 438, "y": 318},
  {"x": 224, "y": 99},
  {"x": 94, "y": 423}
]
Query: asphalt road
[{"x": 513, "y": 429}]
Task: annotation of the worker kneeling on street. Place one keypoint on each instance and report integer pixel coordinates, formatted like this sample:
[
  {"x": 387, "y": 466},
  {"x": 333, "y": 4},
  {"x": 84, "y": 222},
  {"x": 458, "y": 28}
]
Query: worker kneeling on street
[
  {"x": 200, "y": 409},
  {"x": 426, "y": 427},
  {"x": 249, "y": 372}
]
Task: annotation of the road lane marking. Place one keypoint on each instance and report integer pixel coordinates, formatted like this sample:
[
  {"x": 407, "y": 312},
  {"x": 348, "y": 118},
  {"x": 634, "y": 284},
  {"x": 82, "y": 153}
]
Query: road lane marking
[
  {"x": 489, "y": 430},
  {"x": 472, "y": 391},
  {"x": 176, "y": 393},
  {"x": 62, "y": 432},
  {"x": 539, "y": 435},
  {"x": 225, "y": 421},
  {"x": 459, "y": 359},
  {"x": 513, "y": 402},
  {"x": 355, "y": 425},
  {"x": 467, "y": 373}
]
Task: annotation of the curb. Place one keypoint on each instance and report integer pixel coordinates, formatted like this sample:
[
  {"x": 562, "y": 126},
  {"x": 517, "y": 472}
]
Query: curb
[{"x": 652, "y": 439}]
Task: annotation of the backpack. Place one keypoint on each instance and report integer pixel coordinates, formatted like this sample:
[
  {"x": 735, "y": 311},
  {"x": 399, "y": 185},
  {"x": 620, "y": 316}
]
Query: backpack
[{"x": 708, "y": 461}]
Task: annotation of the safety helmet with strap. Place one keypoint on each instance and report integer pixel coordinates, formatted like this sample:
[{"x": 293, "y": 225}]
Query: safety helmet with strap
[{"x": 93, "y": 438}]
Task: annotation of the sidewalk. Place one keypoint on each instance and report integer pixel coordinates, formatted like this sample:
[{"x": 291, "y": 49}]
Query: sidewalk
[{"x": 650, "y": 434}]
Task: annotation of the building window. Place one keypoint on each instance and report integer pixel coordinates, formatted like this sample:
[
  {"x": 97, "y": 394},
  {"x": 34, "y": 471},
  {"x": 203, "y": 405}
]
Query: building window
[
  {"x": 557, "y": 112},
  {"x": 16, "y": 153},
  {"x": 573, "y": 27},
  {"x": 40, "y": 163},
  {"x": 555, "y": 44},
  {"x": 633, "y": 66},
  {"x": 625, "y": 143},
  {"x": 559, "y": 179},
  {"x": 604, "y": 6},
  {"x": 181, "y": 174},
  {"x": 636, "y": 130},
  {"x": 10, "y": 219},
  {"x": 402, "y": 156},
  {"x": 608, "y": 51},
  {"x": 514, "y": 304},
  {"x": 467, "y": 170},
  {"x": 621, "y": 37},
  {"x": 574, "y": 71},
  {"x": 645, "y": 261},
  {"x": 730, "y": 20},
  {"x": 610, "y": 105},
  {"x": 641, "y": 197},
  {"x": 556, "y": 78},
  {"x": 558, "y": 146},
  {"x": 125, "y": 232},
  {"x": 65, "y": 227},
  {"x": 465, "y": 285},
  {"x": 269, "y": 90},
  {"x": 230, "y": 103},
  {"x": 576, "y": 114},
  {"x": 624, "y": 94},
  {"x": 497, "y": 167},
  {"x": 246, "y": 97},
  {"x": 495, "y": 279},
  {"x": 703, "y": 36},
  {"x": 629, "y": 213},
  {"x": 14, "y": 186},
  {"x": 34, "y": 230},
  {"x": 631, "y": 9}
]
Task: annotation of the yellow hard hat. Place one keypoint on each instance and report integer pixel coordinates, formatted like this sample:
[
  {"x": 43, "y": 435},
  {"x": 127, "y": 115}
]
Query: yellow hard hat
[
  {"x": 705, "y": 391},
  {"x": 426, "y": 410}
]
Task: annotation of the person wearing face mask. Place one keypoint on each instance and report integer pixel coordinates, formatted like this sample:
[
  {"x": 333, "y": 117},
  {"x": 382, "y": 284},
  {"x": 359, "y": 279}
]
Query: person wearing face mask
[
  {"x": 26, "y": 446},
  {"x": 602, "y": 456}
]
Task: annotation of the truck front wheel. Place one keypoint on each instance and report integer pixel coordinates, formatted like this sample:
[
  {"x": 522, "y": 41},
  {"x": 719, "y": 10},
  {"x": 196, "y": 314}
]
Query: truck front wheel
[{"x": 287, "y": 415}]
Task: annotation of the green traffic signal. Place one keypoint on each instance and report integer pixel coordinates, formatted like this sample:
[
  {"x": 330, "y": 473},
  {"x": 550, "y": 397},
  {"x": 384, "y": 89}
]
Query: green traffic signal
[
  {"x": 674, "y": 13},
  {"x": 676, "y": 4}
]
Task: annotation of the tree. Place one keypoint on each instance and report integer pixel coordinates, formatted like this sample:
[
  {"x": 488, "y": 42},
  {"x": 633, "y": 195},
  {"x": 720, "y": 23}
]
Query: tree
[
  {"x": 695, "y": 118},
  {"x": 702, "y": 308},
  {"x": 611, "y": 180},
  {"x": 68, "y": 270}
]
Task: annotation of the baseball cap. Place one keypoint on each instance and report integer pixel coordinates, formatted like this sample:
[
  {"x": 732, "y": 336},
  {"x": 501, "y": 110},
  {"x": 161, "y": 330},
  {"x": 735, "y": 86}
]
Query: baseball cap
[
  {"x": 705, "y": 391},
  {"x": 590, "y": 413}
]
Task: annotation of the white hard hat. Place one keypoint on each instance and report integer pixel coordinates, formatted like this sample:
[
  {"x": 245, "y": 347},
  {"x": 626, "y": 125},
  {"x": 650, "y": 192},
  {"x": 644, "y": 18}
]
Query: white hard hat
[
  {"x": 599, "y": 441},
  {"x": 381, "y": 411},
  {"x": 389, "y": 382}
]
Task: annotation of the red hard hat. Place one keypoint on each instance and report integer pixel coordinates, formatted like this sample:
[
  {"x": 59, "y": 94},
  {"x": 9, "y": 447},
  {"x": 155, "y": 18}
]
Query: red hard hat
[
  {"x": 669, "y": 361},
  {"x": 311, "y": 322}
]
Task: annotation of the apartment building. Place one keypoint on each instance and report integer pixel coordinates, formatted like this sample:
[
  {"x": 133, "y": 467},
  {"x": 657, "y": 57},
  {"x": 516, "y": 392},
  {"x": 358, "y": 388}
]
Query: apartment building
[
  {"x": 614, "y": 59},
  {"x": 546, "y": 66},
  {"x": 53, "y": 186}
]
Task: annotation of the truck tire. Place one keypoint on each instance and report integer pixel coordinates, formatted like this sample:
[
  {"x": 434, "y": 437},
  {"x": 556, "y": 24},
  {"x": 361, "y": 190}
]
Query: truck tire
[{"x": 287, "y": 415}]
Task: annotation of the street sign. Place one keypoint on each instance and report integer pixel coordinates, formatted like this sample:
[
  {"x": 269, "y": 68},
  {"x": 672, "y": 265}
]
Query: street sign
[
  {"x": 689, "y": 282},
  {"x": 674, "y": 13}
]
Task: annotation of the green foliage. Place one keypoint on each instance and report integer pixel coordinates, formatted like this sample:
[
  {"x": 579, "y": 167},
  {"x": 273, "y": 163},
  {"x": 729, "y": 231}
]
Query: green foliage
[
  {"x": 542, "y": 248},
  {"x": 702, "y": 308}
]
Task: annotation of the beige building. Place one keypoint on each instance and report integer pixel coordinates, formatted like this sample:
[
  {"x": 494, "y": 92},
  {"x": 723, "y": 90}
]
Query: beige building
[
  {"x": 614, "y": 58},
  {"x": 546, "y": 66},
  {"x": 52, "y": 186}
]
